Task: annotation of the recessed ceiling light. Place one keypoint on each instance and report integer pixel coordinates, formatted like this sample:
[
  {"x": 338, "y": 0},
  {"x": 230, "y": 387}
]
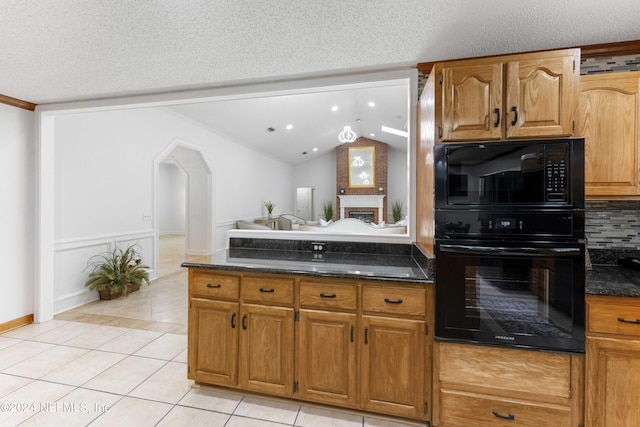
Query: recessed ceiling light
[
  {"x": 372, "y": 134},
  {"x": 334, "y": 108},
  {"x": 372, "y": 104},
  {"x": 289, "y": 127},
  {"x": 315, "y": 149}
]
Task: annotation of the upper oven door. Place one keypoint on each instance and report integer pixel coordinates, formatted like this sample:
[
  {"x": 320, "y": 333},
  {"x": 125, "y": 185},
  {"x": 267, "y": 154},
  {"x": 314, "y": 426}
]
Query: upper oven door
[
  {"x": 511, "y": 293},
  {"x": 516, "y": 174}
]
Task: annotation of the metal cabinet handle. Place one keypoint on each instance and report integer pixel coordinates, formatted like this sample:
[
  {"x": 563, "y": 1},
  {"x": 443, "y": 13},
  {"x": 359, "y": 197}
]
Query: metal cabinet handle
[
  {"x": 267, "y": 291},
  {"x": 244, "y": 324},
  {"x": 209, "y": 285},
  {"x": 233, "y": 321},
  {"x": 509, "y": 417},
  {"x": 623, "y": 320},
  {"x": 366, "y": 335},
  {"x": 352, "y": 330},
  {"x": 390, "y": 301},
  {"x": 497, "y": 122},
  {"x": 323, "y": 295},
  {"x": 515, "y": 117}
]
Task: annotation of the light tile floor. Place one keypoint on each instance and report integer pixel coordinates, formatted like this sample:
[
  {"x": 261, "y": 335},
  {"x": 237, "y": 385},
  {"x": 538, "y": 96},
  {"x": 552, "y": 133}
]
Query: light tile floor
[{"x": 124, "y": 363}]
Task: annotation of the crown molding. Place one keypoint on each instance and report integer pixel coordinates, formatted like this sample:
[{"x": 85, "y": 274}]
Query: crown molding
[{"x": 4, "y": 99}]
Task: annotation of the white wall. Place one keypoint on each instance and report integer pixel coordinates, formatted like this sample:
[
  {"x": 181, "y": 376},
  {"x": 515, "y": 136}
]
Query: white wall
[
  {"x": 17, "y": 215},
  {"x": 397, "y": 180},
  {"x": 104, "y": 183},
  {"x": 320, "y": 172},
  {"x": 171, "y": 199}
]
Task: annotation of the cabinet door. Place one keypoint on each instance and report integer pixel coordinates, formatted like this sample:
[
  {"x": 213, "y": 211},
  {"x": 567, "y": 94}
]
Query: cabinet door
[
  {"x": 213, "y": 341},
  {"x": 541, "y": 92},
  {"x": 612, "y": 383},
  {"x": 472, "y": 102},
  {"x": 266, "y": 349},
  {"x": 392, "y": 366},
  {"x": 608, "y": 119},
  {"x": 327, "y": 357}
]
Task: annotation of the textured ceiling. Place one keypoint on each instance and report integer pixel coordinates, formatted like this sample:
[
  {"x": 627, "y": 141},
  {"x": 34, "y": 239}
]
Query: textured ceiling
[{"x": 70, "y": 50}]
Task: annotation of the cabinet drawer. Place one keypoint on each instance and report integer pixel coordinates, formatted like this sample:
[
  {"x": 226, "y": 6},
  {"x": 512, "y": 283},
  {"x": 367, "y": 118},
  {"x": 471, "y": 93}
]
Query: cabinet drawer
[
  {"x": 467, "y": 409},
  {"x": 213, "y": 285},
  {"x": 393, "y": 300},
  {"x": 613, "y": 315},
  {"x": 328, "y": 295},
  {"x": 267, "y": 290}
]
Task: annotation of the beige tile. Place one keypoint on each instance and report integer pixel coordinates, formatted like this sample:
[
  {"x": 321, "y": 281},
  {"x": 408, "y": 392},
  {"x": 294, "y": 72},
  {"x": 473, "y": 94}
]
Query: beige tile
[
  {"x": 169, "y": 384},
  {"x": 164, "y": 347},
  {"x": 16, "y": 353},
  {"x": 77, "y": 408},
  {"x": 133, "y": 412},
  {"x": 238, "y": 421},
  {"x": 31, "y": 397},
  {"x": 42, "y": 363},
  {"x": 125, "y": 375},
  {"x": 211, "y": 400},
  {"x": 7, "y": 342},
  {"x": 389, "y": 422},
  {"x": 64, "y": 333},
  {"x": 190, "y": 417},
  {"x": 34, "y": 329},
  {"x": 96, "y": 337},
  {"x": 130, "y": 342},
  {"x": 269, "y": 410},
  {"x": 182, "y": 357},
  {"x": 84, "y": 368},
  {"x": 10, "y": 383},
  {"x": 316, "y": 417}
]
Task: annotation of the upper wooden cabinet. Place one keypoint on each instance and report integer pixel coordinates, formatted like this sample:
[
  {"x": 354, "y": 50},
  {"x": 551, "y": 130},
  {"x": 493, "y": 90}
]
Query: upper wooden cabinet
[
  {"x": 607, "y": 117},
  {"x": 517, "y": 96}
]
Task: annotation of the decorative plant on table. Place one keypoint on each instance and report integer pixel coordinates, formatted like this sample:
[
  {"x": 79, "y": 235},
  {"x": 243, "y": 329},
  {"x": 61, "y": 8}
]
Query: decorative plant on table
[
  {"x": 117, "y": 273},
  {"x": 269, "y": 205},
  {"x": 328, "y": 211},
  {"x": 396, "y": 211}
]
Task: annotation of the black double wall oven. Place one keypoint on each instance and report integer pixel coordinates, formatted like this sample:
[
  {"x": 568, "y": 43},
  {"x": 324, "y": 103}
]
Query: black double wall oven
[{"x": 509, "y": 243}]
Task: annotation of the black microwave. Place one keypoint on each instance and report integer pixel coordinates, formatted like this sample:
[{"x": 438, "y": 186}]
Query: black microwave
[{"x": 506, "y": 174}]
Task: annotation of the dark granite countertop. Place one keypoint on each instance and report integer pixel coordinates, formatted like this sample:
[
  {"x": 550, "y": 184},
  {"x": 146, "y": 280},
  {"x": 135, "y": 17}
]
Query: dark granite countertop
[
  {"x": 612, "y": 280},
  {"x": 372, "y": 266}
]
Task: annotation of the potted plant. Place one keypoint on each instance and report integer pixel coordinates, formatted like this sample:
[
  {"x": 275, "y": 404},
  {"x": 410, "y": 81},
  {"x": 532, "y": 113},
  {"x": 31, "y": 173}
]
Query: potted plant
[
  {"x": 396, "y": 211},
  {"x": 117, "y": 273},
  {"x": 328, "y": 211},
  {"x": 269, "y": 205}
]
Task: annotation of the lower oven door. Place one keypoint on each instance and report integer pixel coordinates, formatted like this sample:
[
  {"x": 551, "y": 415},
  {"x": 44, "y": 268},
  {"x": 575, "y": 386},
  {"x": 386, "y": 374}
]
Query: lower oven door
[{"x": 511, "y": 293}]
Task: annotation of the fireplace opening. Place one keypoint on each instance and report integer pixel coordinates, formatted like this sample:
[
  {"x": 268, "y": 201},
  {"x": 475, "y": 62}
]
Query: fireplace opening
[{"x": 366, "y": 216}]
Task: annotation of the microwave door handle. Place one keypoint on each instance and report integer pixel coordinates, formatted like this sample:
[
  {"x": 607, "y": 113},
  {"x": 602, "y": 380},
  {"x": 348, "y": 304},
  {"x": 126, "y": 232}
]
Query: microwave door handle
[{"x": 502, "y": 251}]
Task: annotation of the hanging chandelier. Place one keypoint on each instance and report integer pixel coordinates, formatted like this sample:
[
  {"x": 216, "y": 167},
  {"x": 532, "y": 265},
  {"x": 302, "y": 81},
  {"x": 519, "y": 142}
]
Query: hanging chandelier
[{"x": 347, "y": 135}]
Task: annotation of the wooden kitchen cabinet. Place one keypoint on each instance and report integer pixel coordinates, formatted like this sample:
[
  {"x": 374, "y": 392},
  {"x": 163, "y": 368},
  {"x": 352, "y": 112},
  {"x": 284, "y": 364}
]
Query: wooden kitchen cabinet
[
  {"x": 506, "y": 97},
  {"x": 613, "y": 362},
  {"x": 491, "y": 386},
  {"x": 393, "y": 359},
  {"x": 357, "y": 344},
  {"x": 608, "y": 113}
]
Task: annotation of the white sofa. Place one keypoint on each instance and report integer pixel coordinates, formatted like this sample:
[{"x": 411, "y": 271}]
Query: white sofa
[{"x": 352, "y": 225}]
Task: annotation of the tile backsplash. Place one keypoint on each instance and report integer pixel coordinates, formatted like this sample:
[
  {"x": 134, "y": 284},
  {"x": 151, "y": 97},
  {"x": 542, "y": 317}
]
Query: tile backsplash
[{"x": 613, "y": 224}]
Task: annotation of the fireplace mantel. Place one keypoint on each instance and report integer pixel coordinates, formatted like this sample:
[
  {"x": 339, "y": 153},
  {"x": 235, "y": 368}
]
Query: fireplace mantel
[{"x": 366, "y": 201}]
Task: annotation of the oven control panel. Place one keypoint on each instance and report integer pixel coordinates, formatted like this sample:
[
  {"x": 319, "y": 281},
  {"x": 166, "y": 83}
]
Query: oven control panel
[{"x": 556, "y": 173}]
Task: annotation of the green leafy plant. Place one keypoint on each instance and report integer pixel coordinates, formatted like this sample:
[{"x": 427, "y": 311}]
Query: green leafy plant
[
  {"x": 328, "y": 211},
  {"x": 117, "y": 271},
  {"x": 269, "y": 205},
  {"x": 396, "y": 211}
]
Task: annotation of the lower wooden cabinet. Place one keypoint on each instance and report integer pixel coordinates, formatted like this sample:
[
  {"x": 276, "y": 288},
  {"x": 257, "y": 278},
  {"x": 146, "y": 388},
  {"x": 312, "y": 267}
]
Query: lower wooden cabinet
[
  {"x": 356, "y": 344},
  {"x": 327, "y": 357},
  {"x": 392, "y": 366},
  {"x": 213, "y": 341},
  {"x": 266, "y": 349},
  {"x": 491, "y": 386},
  {"x": 613, "y": 362}
]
